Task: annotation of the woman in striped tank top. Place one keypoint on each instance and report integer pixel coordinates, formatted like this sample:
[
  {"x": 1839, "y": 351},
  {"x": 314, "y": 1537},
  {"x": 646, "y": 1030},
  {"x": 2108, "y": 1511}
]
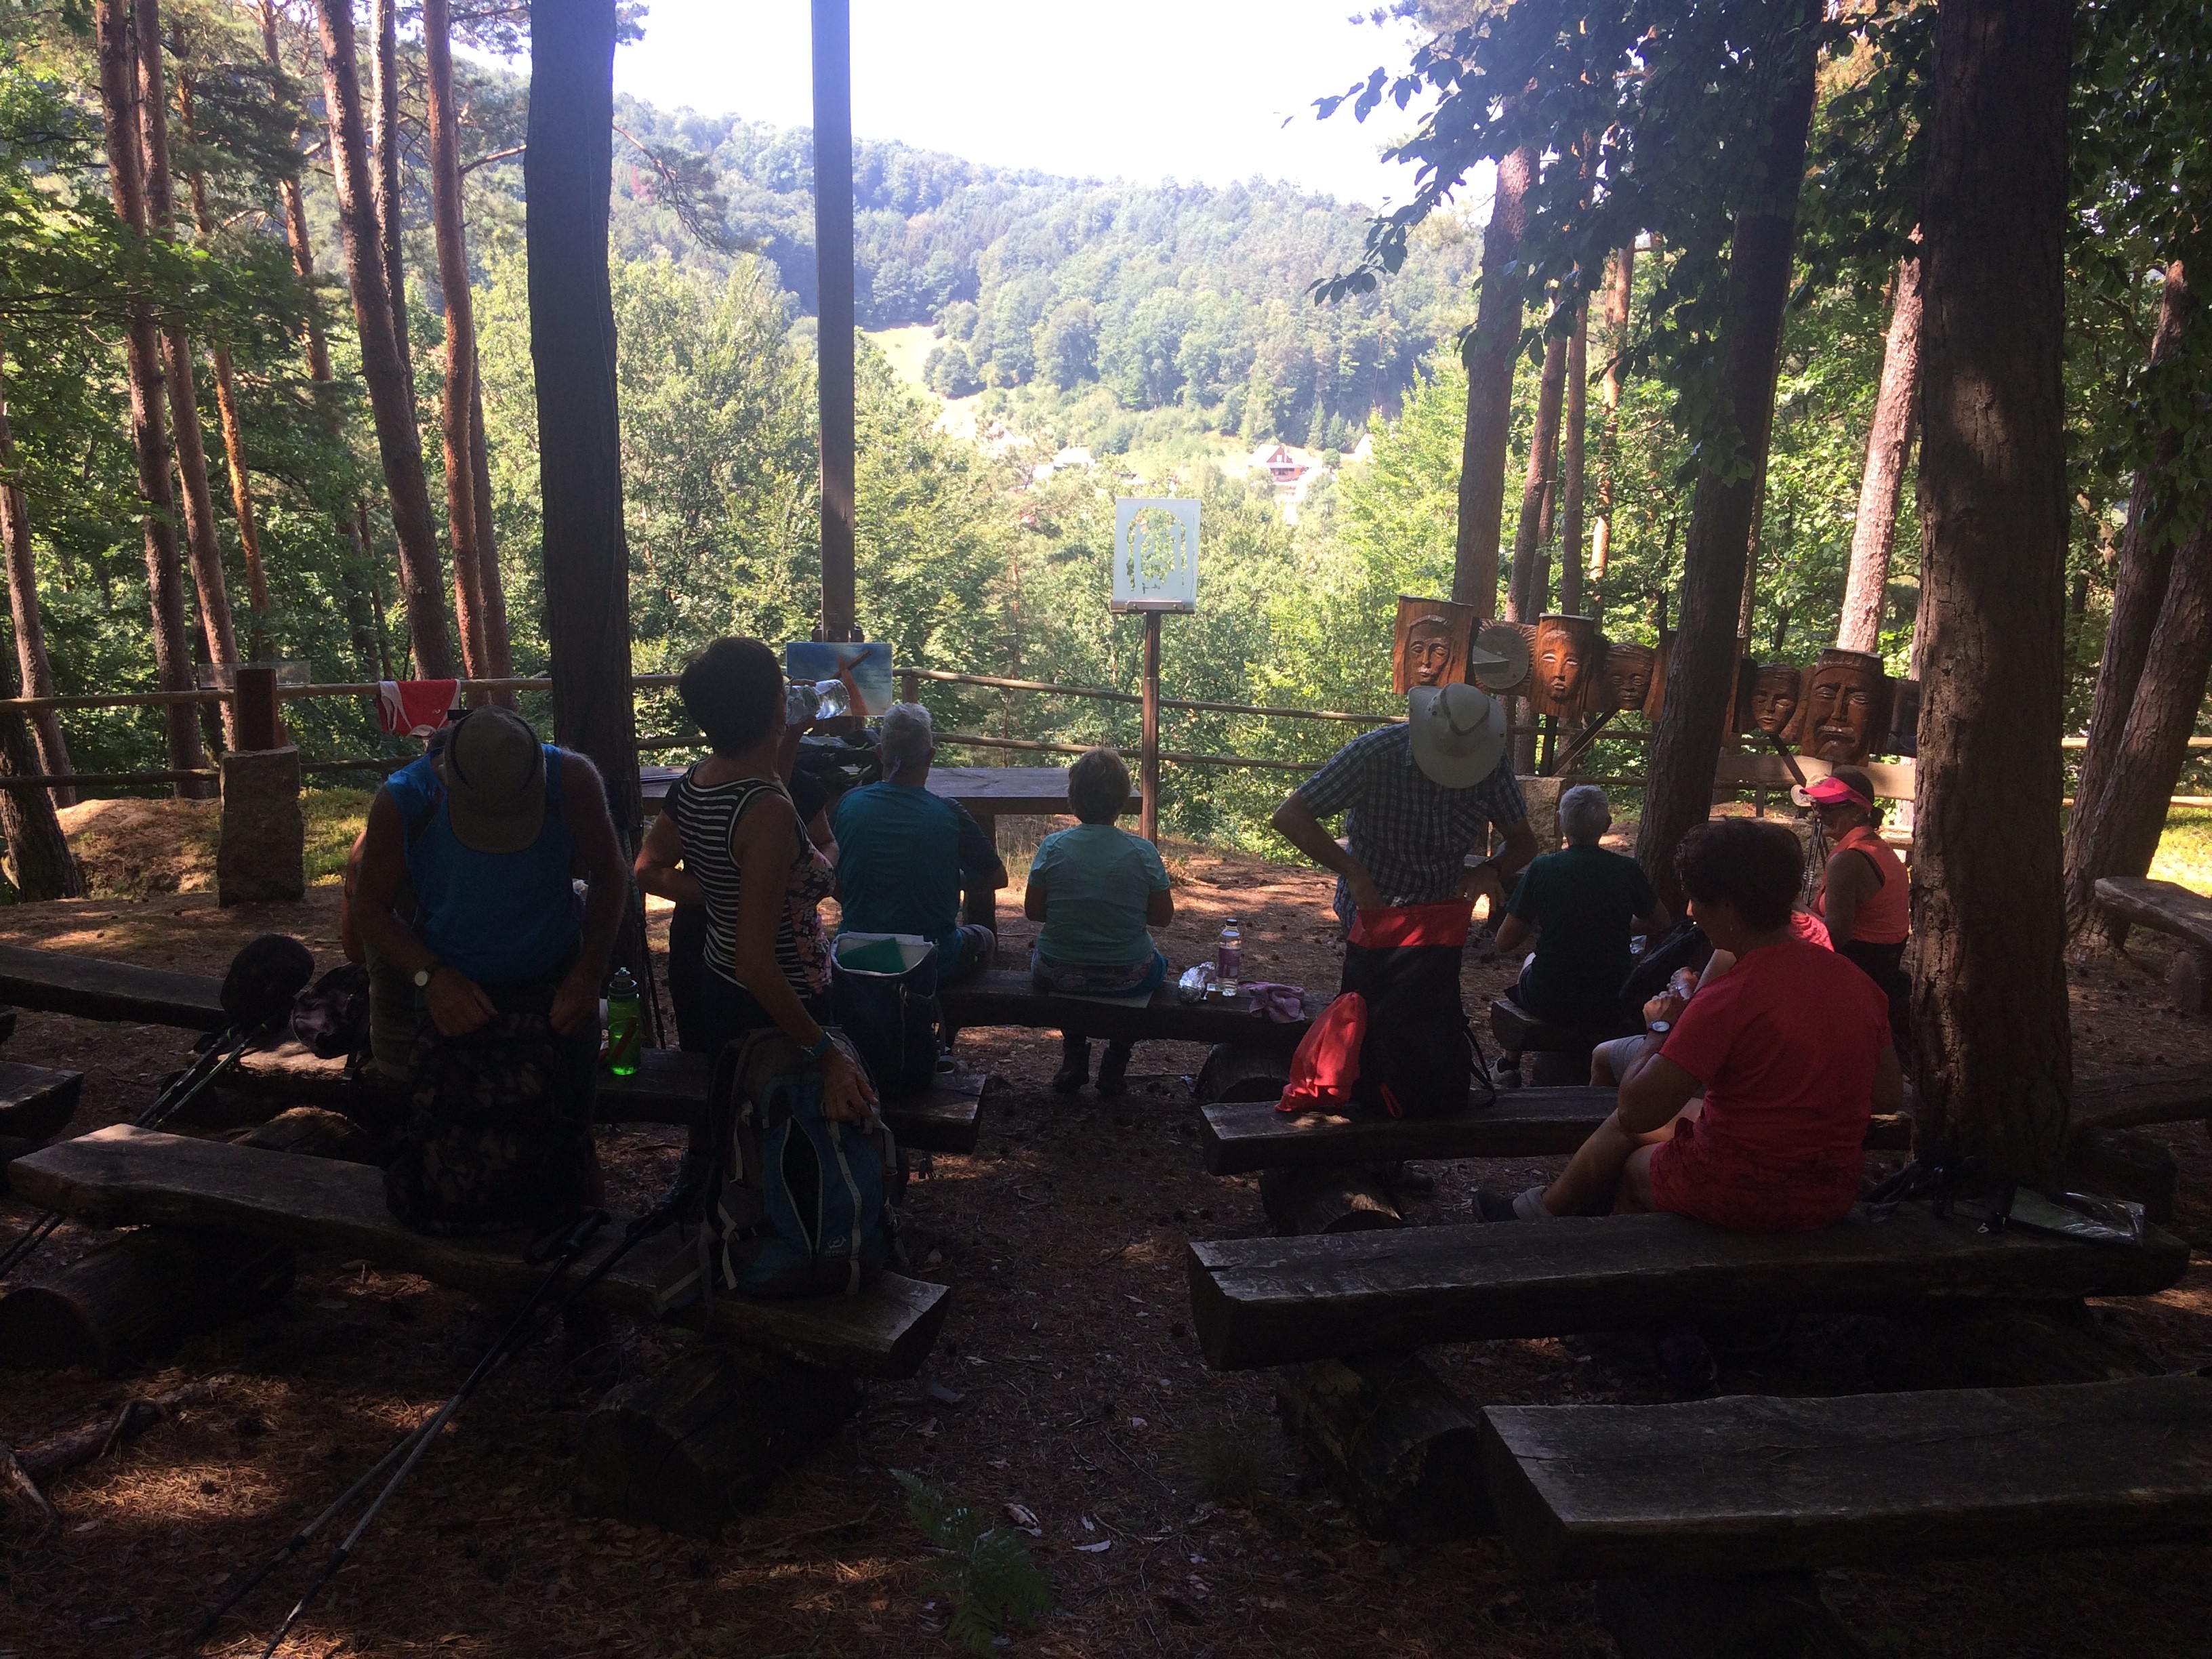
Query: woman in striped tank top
[{"x": 729, "y": 840}]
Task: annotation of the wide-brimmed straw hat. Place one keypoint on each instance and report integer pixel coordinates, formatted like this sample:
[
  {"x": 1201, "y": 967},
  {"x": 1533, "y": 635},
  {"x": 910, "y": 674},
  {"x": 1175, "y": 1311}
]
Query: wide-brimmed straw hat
[
  {"x": 495, "y": 782},
  {"x": 1458, "y": 733}
]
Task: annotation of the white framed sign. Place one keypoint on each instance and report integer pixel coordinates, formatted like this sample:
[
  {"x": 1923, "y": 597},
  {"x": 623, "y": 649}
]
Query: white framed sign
[{"x": 1155, "y": 554}]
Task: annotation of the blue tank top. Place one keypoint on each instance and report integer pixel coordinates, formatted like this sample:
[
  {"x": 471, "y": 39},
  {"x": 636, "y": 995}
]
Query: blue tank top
[{"x": 500, "y": 918}]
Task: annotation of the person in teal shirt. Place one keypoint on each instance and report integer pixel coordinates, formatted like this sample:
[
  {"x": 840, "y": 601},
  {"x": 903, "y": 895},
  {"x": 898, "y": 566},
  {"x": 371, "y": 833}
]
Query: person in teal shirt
[
  {"x": 1098, "y": 890},
  {"x": 904, "y": 855}
]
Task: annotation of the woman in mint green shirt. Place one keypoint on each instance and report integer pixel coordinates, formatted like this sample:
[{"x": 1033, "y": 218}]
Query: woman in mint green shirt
[{"x": 1098, "y": 890}]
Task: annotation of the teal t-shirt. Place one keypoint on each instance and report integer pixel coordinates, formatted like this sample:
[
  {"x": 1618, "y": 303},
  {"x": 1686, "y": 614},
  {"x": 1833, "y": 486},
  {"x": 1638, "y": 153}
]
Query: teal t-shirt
[
  {"x": 1581, "y": 901},
  {"x": 903, "y": 856},
  {"x": 1098, "y": 880}
]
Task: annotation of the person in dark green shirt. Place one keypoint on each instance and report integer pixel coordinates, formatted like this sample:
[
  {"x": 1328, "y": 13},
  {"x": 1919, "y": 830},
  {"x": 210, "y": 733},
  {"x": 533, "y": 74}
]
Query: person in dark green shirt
[{"x": 1581, "y": 904}]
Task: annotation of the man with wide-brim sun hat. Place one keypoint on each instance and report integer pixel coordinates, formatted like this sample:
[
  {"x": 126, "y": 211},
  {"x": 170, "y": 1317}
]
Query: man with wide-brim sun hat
[
  {"x": 1417, "y": 799},
  {"x": 488, "y": 834}
]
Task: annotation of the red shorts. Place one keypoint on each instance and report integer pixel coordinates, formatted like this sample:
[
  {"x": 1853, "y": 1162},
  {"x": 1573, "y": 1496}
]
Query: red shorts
[{"x": 1693, "y": 1175}]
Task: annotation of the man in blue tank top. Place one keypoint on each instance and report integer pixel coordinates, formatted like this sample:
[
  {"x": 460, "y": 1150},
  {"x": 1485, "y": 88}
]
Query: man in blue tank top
[{"x": 487, "y": 834}]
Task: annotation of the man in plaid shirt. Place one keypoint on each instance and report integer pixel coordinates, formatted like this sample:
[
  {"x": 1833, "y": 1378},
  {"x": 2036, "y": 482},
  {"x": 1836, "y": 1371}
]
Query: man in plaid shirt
[{"x": 1412, "y": 811}]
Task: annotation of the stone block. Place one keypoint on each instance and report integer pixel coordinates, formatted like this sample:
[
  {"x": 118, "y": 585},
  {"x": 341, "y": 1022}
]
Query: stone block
[
  {"x": 1541, "y": 797},
  {"x": 263, "y": 854}
]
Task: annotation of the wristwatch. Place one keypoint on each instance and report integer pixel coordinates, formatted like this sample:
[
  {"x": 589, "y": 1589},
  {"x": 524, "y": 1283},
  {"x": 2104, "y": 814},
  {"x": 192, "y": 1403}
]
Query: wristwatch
[
  {"x": 424, "y": 976},
  {"x": 1660, "y": 1027}
]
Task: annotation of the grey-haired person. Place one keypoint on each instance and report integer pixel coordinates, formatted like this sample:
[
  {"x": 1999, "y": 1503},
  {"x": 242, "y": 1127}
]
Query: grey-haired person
[{"x": 1582, "y": 905}]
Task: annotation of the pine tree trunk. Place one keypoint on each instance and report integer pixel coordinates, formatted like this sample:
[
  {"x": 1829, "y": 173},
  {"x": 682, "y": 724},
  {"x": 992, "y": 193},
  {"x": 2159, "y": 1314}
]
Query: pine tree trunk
[
  {"x": 2139, "y": 595},
  {"x": 459, "y": 403},
  {"x": 1701, "y": 670},
  {"x": 1530, "y": 589},
  {"x": 384, "y": 183},
  {"x": 1618, "y": 298},
  {"x": 498, "y": 647},
  {"x": 565, "y": 179},
  {"x": 37, "y": 672},
  {"x": 1489, "y": 354},
  {"x": 1896, "y": 405},
  {"x": 1993, "y": 1066},
  {"x": 205, "y": 550},
  {"x": 389, "y": 396},
  {"x": 150, "y": 436},
  {"x": 38, "y": 861},
  {"x": 1570, "y": 464}
]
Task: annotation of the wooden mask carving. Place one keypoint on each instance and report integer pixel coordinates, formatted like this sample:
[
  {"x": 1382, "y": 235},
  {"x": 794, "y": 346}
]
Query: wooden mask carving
[
  {"x": 1627, "y": 675},
  {"x": 1570, "y": 663},
  {"x": 1846, "y": 706},
  {"x": 1431, "y": 645},
  {"x": 1656, "y": 699},
  {"x": 1774, "y": 693}
]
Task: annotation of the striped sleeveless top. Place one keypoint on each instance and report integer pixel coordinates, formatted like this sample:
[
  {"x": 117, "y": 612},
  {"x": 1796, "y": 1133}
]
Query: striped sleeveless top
[{"x": 707, "y": 818}]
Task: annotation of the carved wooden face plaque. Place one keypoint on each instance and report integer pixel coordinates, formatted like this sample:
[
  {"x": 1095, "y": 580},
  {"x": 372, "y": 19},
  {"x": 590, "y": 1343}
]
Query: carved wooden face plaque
[
  {"x": 1627, "y": 677},
  {"x": 1774, "y": 692},
  {"x": 1655, "y": 700},
  {"x": 1569, "y": 660},
  {"x": 1845, "y": 702},
  {"x": 1431, "y": 646}
]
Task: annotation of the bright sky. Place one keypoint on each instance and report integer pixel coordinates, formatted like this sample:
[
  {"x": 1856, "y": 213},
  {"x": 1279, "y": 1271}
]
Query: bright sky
[{"x": 1137, "y": 90}]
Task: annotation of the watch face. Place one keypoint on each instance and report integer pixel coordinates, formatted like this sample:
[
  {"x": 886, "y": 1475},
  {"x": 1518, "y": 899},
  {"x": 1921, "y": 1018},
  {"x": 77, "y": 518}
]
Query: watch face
[
  {"x": 1661, "y": 1026},
  {"x": 422, "y": 978}
]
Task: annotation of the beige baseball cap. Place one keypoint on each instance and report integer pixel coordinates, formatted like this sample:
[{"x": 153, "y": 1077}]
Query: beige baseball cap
[{"x": 495, "y": 772}]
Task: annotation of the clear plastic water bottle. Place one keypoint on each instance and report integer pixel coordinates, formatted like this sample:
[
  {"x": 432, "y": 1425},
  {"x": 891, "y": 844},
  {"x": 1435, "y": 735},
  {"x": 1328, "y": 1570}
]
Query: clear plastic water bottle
[
  {"x": 1228, "y": 958},
  {"x": 625, "y": 1024}
]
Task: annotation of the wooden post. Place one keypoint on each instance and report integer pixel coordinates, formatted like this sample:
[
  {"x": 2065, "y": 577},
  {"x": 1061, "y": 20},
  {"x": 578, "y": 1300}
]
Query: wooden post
[
  {"x": 909, "y": 686},
  {"x": 256, "y": 720},
  {"x": 1148, "y": 764},
  {"x": 833, "y": 247}
]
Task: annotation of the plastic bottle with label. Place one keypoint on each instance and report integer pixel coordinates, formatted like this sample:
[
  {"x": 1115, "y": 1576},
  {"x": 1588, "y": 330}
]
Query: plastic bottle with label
[
  {"x": 625, "y": 1024},
  {"x": 1228, "y": 958}
]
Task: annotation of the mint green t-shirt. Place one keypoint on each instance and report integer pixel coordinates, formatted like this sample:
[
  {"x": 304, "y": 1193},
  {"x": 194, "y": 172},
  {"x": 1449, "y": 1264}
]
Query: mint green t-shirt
[{"x": 1097, "y": 879}]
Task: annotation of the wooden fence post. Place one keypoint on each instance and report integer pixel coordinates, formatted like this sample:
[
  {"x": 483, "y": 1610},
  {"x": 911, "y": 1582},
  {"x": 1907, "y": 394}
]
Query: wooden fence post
[
  {"x": 909, "y": 686},
  {"x": 1148, "y": 761}
]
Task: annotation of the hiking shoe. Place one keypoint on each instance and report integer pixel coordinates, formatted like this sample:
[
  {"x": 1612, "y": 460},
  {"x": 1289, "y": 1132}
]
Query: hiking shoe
[
  {"x": 1505, "y": 1077},
  {"x": 1494, "y": 1207},
  {"x": 1686, "y": 1363},
  {"x": 1074, "y": 1067},
  {"x": 1113, "y": 1068}
]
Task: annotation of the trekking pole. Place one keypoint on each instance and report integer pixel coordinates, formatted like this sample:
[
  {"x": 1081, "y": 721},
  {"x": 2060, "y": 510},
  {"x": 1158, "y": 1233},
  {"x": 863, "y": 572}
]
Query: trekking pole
[
  {"x": 571, "y": 1247},
  {"x": 644, "y": 1227}
]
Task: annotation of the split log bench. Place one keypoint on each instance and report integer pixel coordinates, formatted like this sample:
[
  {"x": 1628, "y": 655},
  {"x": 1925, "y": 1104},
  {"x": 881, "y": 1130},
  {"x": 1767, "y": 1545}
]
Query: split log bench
[
  {"x": 1706, "y": 1520},
  {"x": 93, "y": 987},
  {"x": 36, "y": 1101},
  {"x": 1240, "y": 1137},
  {"x": 2167, "y": 907},
  {"x": 1259, "y": 1301},
  {"x": 1006, "y": 996},
  {"x": 126, "y": 1177},
  {"x": 1566, "y": 1046}
]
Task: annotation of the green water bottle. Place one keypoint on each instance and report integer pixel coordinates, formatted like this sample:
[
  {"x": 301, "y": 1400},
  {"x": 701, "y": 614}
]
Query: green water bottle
[{"x": 625, "y": 1024}]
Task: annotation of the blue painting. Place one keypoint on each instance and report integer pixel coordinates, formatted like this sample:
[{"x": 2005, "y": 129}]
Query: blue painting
[{"x": 865, "y": 667}]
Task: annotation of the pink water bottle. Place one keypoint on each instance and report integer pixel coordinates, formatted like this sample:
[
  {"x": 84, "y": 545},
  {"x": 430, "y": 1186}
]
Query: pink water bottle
[{"x": 1228, "y": 958}]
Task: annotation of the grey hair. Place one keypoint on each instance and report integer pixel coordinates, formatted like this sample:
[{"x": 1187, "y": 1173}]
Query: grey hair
[
  {"x": 1585, "y": 812},
  {"x": 908, "y": 737}
]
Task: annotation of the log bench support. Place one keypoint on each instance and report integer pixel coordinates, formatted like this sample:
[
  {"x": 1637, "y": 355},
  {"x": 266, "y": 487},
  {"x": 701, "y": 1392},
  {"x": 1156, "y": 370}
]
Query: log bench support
[
  {"x": 1387, "y": 1435},
  {"x": 679, "y": 1449},
  {"x": 1754, "y": 1616},
  {"x": 1347, "y": 1198},
  {"x": 136, "y": 1297}
]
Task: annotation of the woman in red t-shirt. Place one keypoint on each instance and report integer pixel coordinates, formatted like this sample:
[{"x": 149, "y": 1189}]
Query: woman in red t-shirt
[{"x": 1791, "y": 1050}]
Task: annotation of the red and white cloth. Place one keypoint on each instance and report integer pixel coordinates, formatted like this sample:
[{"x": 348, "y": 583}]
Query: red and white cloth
[{"x": 415, "y": 708}]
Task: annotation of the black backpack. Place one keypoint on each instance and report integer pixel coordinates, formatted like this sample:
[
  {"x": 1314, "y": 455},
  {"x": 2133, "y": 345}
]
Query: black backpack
[
  {"x": 330, "y": 1018},
  {"x": 1684, "y": 945},
  {"x": 1419, "y": 1056}
]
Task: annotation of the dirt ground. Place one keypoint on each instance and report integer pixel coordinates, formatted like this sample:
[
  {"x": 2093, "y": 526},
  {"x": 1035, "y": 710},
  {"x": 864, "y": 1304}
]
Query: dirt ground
[{"x": 1066, "y": 1382}]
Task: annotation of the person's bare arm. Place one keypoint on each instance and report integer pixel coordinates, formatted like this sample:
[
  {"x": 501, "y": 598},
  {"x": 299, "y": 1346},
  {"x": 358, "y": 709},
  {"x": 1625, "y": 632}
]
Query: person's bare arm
[
  {"x": 1296, "y": 823},
  {"x": 765, "y": 844},
  {"x": 457, "y": 1003},
  {"x": 1852, "y": 881},
  {"x": 1513, "y": 934},
  {"x": 1889, "y": 1080},
  {"x": 823, "y": 837},
  {"x": 1655, "y": 922},
  {"x": 584, "y": 809},
  {"x": 1655, "y": 1091},
  {"x": 659, "y": 868},
  {"x": 1159, "y": 907},
  {"x": 1033, "y": 899},
  {"x": 1494, "y": 875}
]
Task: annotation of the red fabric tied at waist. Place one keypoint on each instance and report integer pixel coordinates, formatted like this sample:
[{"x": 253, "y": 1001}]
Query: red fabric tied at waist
[
  {"x": 1399, "y": 927},
  {"x": 415, "y": 708}
]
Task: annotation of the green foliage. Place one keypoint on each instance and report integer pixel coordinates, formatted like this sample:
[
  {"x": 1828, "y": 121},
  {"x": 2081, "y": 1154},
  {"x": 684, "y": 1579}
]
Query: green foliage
[{"x": 986, "y": 1572}]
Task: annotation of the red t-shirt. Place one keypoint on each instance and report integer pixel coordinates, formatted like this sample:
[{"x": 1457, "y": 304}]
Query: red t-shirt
[{"x": 1785, "y": 1043}]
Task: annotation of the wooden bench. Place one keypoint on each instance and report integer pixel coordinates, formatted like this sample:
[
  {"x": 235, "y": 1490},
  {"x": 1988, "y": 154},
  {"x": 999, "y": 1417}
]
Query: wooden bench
[
  {"x": 1006, "y": 996},
  {"x": 1241, "y": 1136},
  {"x": 126, "y": 1177},
  {"x": 1520, "y": 1032},
  {"x": 1752, "y": 1485},
  {"x": 92, "y": 988},
  {"x": 2168, "y": 908},
  {"x": 1258, "y": 1302},
  {"x": 669, "y": 1087},
  {"x": 35, "y": 1102}
]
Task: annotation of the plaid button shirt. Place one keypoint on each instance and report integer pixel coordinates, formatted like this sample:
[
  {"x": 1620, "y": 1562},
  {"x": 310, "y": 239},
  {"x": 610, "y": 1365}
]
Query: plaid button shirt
[{"x": 1411, "y": 833}]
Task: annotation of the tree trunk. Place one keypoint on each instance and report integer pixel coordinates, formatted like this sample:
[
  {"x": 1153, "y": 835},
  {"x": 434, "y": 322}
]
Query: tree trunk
[
  {"x": 37, "y": 673},
  {"x": 566, "y": 178},
  {"x": 1489, "y": 354},
  {"x": 384, "y": 184},
  {"x": 1994, "y": 1062},
  {"x": 1874, "y": 533},
  {"x": 390, "y": 396},
  {"x": 1701, "y": 669},
  {"x": 1618, "y": 298},
  {"x": 1571, "y": 465},
  {"x": 2139, "y": 593},
  {"x": 149, "y": 437},
  {"x": 460, "y": 403},
  {"x": 498, "y": 648},
  {"x": 1529, "y": 591},
  {"x": 38, "y": 861},
  {"x": 206, "y": 552}
]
